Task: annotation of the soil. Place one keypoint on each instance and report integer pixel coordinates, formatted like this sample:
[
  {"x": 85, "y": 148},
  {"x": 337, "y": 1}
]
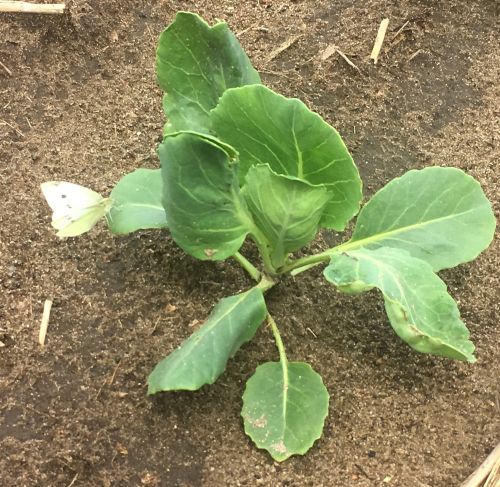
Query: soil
[{"x": 79, "y": 102}]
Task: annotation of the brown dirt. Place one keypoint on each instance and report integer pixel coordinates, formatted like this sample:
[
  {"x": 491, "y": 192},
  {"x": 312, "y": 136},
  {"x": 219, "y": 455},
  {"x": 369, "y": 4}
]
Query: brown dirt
[{"x": 81, "y": 105}]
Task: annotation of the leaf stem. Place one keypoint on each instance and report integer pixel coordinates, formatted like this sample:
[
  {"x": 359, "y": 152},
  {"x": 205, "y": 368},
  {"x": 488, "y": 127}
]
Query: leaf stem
[
  {"x": 281, "y": 349},
  {"x": 248, "y": 266},
  {"x": 305, "y": 263},
  {"x": 264, "y": 252},
  {"x": 255, "y": 233}
]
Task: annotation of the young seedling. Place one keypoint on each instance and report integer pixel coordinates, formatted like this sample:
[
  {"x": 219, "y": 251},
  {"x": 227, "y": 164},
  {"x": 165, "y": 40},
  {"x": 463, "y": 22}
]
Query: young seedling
[{"x": 239, "y": 161}]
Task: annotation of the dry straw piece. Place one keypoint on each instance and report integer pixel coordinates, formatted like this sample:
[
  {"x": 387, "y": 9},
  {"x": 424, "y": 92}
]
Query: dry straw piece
[
  {"x": 379, "y": 40},
  {"x": 332, "y": 49},
  {"x": 7, "y": 70},
  {"x": 282, "y": 47},
  {"x": 488, "y": 473},
  {"x": 45, "y": 321},
  {"x": 32, "y": 8}
]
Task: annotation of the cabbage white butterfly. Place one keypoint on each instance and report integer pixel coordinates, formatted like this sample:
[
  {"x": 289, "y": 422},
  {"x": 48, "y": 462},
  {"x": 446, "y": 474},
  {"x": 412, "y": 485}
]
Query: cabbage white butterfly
[{"x": 76, "y": 208}]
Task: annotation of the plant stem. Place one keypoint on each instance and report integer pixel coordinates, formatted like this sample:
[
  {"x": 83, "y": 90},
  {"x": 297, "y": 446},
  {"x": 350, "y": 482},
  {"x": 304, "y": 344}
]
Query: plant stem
[
  {"x": 266, "y": 283},
  {"x": 304, "y": 268},
  {"x": 248, "y": 266},
  {"x": 280, "y": 346},
  {"x": 305, "y": 263}
]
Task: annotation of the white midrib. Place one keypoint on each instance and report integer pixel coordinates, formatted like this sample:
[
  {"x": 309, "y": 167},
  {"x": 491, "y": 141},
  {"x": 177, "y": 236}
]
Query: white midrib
[
  {"x": 381, "y": 236},
  {"x": 284, "y": 368},
  {"x": 143, "y": 205}
]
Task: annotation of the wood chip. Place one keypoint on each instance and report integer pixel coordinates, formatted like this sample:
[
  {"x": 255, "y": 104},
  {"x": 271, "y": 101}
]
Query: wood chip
[
  {"x": 379, "y": 40},
  {"x": 328, "y": 52},
  {"x": 45, "y": 321}
]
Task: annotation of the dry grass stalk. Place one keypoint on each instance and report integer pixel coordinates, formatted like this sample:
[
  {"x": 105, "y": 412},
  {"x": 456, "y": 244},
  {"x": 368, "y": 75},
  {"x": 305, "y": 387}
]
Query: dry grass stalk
[
  {"x": 4, "y": 122},
  {"x": 45, "y": 321},
  {"x": 282, "y": 47},
  {"x": 347, "y": 60},
  {"x": 33, "y": 8},
  {"x": 7, "y": 70},
  {"x": 379, "y": 40},
  {"x": 332, "y": 49},
  {"x": 400, "y": 30},
  {"x": 488, "y": 471}
]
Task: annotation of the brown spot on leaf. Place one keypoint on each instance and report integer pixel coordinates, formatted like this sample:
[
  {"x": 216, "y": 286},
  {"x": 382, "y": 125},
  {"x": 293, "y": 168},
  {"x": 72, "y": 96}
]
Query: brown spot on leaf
[
  {"x": 210, "y": 252},
  {"x": 259, "y": 422},
  {"x": 279, "y": 447}
]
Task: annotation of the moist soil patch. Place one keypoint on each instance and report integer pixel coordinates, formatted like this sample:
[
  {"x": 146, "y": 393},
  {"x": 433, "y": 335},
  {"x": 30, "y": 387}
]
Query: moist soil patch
[{"x": 78, "y": 102}]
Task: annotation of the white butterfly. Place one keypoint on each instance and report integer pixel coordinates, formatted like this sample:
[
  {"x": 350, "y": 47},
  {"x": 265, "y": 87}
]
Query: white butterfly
[{"x": 76, "y": 208}]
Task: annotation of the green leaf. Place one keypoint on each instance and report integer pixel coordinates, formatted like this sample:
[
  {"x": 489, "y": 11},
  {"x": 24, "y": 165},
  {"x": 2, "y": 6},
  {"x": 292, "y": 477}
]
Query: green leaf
[
  {"x": 202, "y": 358},
  {"x": 205, "y": 212},
  {"x": 438, "y": 214},
  {"x": 267, "y": 128},
  {"x": 137, "y": 202},
  {"x": 195, "y": 64},
  {"x": 212, "y": 140},
  {"x": 287, "y": 210},
  {"x": 418, "y": 305},
  {"x": 284, "y": 409}
]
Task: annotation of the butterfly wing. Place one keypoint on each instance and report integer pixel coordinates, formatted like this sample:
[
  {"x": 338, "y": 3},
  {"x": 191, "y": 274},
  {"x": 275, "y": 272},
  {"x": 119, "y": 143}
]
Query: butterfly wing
[
  {"x": 61, "y": 195},
  {"x": 76, "y": 208},
  {"x": 80, "y": 221}
]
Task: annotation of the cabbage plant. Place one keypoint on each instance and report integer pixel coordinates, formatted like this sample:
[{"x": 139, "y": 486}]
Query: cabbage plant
[{"x": 241, "y": 162}]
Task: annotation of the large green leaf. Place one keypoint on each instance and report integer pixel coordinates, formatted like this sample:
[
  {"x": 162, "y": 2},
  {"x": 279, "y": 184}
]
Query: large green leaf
[
  {"x": 284, "y": 408},
  {"x": 202, "y": 358},
  {"x": 205, "y": 212},
  {"x": 267, "y": 128},
  {"x": 137, "y": 202},
  {"x": 438, "y": 214},
  {"x": 418, "y": 305},
  {"x": 287, "y": 210},
  {"x": 211, "y": 139},
  {"x": 195, "y": 64}
]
